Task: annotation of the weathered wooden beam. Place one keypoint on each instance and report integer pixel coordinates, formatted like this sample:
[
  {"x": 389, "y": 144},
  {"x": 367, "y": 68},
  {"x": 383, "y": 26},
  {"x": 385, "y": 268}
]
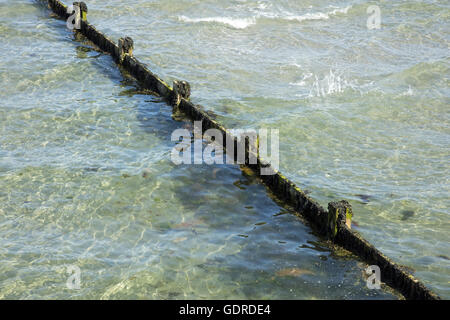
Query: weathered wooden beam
[{"x": 333, "y": 224}]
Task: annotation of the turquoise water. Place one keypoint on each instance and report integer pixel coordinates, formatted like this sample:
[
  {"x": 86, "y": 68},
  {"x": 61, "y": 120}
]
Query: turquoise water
[{"x": 86, "y": 178}]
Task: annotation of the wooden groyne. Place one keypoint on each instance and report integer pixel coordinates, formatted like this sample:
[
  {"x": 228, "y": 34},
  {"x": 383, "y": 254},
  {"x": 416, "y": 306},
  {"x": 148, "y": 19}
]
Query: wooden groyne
[{"x": 333, "y": 223}]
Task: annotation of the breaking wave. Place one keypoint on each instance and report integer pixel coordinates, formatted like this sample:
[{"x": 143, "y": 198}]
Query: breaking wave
[
  {"x": 242, "y": 23},
  {"x": 232, "y": 22},
  {"x": 317, "y": 15}
]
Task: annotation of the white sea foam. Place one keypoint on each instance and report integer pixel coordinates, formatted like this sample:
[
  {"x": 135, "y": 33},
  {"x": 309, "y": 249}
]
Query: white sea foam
[
  {"x": 409, "y": 92},
  {"x": 330, "y": 84},
  {"x": 237, "y": 23},
  {"x": 242, "y": 23},
  {"x": 309, "y": 16},
  {"x": 316, "y": 15},
  {"x": 340, "y": 10}
]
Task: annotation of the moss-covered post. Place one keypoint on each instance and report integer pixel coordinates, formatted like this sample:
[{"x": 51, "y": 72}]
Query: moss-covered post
[
  {"x": 181, "y": 89},
  {"x": 120, "y": 54},
  {"x": 126, "y": 46},
  {"x": 339, "y": 214},
  {"x": 83, "y": 11},
  {"x": 348, "y": 214}
]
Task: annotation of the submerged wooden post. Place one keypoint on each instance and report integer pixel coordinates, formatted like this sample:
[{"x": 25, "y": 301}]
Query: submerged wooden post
[{"x": 339, "y": 213}]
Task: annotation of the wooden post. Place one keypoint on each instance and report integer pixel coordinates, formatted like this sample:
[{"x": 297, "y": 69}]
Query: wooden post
[
  {"x": 83, "y": 11},
  {"x": 339, "y": 213},
  {"x": 126, "y": 46},
  {"x": 181, "y": 89}
]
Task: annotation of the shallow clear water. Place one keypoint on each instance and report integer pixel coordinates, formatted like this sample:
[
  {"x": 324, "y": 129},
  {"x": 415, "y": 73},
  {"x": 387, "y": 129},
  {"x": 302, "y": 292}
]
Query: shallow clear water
[{"x": 85, "y": 171}]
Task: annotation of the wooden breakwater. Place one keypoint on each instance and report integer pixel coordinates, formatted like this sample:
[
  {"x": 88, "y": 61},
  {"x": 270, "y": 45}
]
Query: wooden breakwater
[{"x": 333, "y": 223}]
